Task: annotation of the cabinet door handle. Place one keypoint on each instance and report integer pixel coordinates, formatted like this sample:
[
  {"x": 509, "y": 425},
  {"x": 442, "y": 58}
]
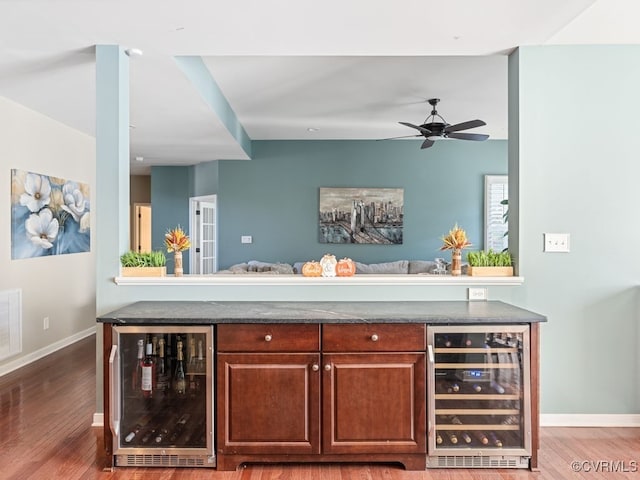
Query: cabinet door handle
[
  {"x": 374, "y": 337},
  {"x": 268, "y": 337},
  {"x": 315, "y": 367},
  {"x": 114, "y": 380},
  {"x": 327, "y": 367},
  {"x": 431, "y": 357}
]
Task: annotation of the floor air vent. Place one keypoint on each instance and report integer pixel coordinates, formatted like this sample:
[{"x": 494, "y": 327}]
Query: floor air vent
[{"x": 477, "y": 462}]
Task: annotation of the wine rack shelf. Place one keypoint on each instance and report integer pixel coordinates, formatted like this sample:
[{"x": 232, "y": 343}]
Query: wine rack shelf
[{"x": 481, "y": 401}]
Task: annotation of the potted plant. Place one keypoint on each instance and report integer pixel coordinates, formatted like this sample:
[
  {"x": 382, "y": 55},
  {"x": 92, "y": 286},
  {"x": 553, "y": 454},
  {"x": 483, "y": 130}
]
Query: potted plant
[
  {"x": 143, "y": 264},
  {"x": 177, "y": 241},
  {"x": 455, "y": 241},
  {"x": 490, "y": 264}
]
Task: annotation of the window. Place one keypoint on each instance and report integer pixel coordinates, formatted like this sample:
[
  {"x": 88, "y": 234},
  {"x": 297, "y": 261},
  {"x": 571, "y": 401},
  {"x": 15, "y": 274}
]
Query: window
[{"x": 495, "y": 210}]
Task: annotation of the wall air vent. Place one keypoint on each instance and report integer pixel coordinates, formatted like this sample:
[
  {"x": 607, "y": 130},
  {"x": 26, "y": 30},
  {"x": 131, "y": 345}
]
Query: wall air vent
[{"x": 10, "y": 323}]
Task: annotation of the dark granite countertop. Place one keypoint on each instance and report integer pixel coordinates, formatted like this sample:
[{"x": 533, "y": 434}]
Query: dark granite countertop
[{"x": 207, "y": 313}]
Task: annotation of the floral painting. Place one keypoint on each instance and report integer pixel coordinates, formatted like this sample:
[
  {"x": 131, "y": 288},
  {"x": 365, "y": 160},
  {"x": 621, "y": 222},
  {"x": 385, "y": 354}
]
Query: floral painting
[{"x": 49, "y": 215}]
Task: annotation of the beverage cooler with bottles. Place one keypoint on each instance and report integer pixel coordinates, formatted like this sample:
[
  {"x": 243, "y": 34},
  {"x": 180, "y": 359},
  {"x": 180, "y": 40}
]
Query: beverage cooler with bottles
[
  {"x": 479, "y": 412},
  {"x": 161, "y": 396}
]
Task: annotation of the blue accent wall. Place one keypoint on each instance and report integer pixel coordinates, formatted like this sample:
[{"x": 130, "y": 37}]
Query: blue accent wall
[
  {"x": 170, "y": 189},
  {"x": 274, "y": 197}
]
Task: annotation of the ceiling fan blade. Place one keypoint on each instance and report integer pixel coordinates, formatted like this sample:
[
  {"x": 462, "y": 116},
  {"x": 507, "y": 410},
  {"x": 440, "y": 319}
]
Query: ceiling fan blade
[
  {"x": 469, "y": 136},
  {"x": 464, "y": 125},
  {"x": 405, "y": 136},
  {"x": 422, "y": 130},
  {"x": 427, "y": 143}
]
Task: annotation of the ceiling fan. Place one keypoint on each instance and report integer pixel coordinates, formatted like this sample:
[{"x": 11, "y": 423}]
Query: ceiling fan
[{"x": 432, "y": 129}]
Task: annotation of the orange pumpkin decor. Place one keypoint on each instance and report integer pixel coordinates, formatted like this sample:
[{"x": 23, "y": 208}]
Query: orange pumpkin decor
[
  {"x": 345, "y": 267},
  {"x": 312, "y": 269}
]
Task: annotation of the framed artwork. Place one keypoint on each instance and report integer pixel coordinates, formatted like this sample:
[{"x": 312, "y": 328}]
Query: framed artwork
[
  {"x": 361, "y": 215},
  {"x": 49, "y": 215}
]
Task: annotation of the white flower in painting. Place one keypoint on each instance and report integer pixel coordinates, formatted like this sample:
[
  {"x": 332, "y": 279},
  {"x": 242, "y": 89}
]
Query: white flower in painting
[
  {"x": 74, "y": 200},
  {"x": 37, "y": 192},
  {"x": 42, "y": 228},
  {"x": 85, "y": 222}
]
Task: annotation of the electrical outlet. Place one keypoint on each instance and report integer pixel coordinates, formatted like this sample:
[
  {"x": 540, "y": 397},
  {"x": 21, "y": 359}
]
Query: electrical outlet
[
  {"x": 246, "y": 239},
  {"x": 477, "y": 293},
  {"x": 45, "y": 323},
  {"x": 556, "y": 242}
]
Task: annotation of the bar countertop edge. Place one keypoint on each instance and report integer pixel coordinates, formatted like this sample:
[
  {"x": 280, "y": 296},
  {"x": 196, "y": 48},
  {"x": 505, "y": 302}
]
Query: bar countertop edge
[{"x": 212, "y": 312}]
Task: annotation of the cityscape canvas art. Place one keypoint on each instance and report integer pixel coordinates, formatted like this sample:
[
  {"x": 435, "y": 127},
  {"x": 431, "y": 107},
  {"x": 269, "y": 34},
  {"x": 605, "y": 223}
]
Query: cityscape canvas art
[
  {"x": 361, "y": 215},
  {"x": 49, "y": 215}
]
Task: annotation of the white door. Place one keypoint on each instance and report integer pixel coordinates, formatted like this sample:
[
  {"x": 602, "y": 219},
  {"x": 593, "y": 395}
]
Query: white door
[{"x": 204, "y": 228}]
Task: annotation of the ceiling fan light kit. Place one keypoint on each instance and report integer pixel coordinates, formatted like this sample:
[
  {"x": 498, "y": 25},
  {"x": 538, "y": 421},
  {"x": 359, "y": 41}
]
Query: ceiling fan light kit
[{"x": 433, "y": 130}]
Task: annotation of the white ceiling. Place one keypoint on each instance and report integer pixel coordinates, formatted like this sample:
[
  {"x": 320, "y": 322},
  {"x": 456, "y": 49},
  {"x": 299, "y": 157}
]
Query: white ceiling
[{"x": 351, "y": 69}]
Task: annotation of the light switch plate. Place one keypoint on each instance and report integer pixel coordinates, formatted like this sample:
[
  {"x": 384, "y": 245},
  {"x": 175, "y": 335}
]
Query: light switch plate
[
  {"x": 246, "y": 239},
  {"x": 556, "y": 242}
]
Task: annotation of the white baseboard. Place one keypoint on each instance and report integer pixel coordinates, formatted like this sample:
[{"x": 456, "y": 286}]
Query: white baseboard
[
  {"x": 43, "y": 352},
  {"x": 589, "y": 420},
  {"x": 98, "y": 420}
]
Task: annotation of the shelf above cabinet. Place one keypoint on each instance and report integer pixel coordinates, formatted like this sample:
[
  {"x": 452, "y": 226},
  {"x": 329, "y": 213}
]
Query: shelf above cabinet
[{"x": 289, "y": 280}]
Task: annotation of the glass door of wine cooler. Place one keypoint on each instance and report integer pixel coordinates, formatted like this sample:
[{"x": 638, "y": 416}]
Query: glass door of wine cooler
[
  {"x": 161, "y": 396},
  {"x": 479, "y": 412}
]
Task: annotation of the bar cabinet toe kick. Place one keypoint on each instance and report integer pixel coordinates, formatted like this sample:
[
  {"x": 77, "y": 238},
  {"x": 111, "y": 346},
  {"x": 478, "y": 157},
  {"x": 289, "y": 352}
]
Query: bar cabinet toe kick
[{"x": 421, "y": 391}]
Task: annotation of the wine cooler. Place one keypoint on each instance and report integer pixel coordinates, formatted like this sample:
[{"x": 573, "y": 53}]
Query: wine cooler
[
  {"x": 161, "y": 396},
  {"x": 479, "y": 412}
]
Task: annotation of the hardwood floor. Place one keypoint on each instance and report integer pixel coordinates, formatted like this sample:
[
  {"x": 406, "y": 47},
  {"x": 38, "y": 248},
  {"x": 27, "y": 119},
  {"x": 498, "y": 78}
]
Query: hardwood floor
[{"x": 45, "y": 433}]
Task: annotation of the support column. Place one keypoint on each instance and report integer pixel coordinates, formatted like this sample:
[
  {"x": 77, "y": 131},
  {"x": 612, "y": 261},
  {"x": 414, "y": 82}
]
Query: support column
[{"x": 112, "y": 179}]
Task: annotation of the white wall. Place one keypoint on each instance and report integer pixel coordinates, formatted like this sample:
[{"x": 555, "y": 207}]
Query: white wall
[{"x": 61, "y": 287}]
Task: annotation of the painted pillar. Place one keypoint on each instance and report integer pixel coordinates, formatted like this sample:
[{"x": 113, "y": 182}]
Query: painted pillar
[{"x": 112, "y": 174}]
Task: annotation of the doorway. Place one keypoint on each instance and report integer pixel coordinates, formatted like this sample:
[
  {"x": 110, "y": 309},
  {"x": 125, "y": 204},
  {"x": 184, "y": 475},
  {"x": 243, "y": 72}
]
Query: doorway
[
  {"x": 141, "y": 241},
  {"x": 203, "y": 255}
]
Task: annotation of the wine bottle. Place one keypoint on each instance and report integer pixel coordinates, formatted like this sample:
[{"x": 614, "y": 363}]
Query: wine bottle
[
  {"x": 497, "y": 387},
  {"x": 150, "y": 433},
  {"x": 136, "y": 373},
  {"x": 454, "y": 420},
  {"x": 179, "y": 427},
  {"x": 163, "y": 377},
  {"x": 495, "y": 441},
  {"x": 482, "y": 438},
  {"x": 192, "y": 353},
  {"x": 154, "y": 342},
  {"x": 148, "y": 382},
  {"x": 179, "y": 381},
  {"x": 136, "y": 428},
  {"x": 477, "y": 388},
  {"x": 453, "y": 388},
  {"x": 438, "y": 439},
  {"x": 468, "y": 342},
  {"x": 200, "y": 362},
  {"x": 466, "y": 437},
  {"x": 161, "y": 434},
  {"x": 453, "y": 438}
]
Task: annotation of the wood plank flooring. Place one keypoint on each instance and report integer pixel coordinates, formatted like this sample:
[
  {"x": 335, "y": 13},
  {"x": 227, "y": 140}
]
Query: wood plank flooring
[{"x": 45, "y": 433}]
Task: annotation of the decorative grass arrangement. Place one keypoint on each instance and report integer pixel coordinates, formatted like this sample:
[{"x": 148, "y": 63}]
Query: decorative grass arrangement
[
  {"x": 143, "y": 264},
  {"x": 490, "y": 264},
  {"x": 489, "y": 259}
]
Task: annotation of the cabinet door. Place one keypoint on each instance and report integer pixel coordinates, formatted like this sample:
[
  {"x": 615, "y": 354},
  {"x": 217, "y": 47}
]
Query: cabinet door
[
  {"x": 374, "y": 403},
  {"x": 269, "y": 403}
]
